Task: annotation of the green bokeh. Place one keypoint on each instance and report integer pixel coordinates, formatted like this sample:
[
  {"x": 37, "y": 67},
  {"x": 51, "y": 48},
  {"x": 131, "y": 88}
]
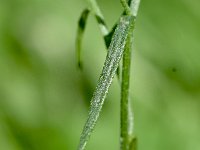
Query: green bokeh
[{"x": 44, "y": 98}]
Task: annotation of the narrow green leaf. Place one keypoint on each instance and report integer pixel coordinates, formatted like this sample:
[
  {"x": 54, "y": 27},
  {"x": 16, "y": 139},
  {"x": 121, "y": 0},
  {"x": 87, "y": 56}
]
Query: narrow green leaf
[
  {"x": 79, "y": 37},
  {"x": 104, "y": 31},
  {"x": 113, "y": 58},
  {"x": 102, "y": 25},
  {"x": 107, "y": 40},
  {"x": 108, "y": 37},
  {"x": 99, "y": 17}
]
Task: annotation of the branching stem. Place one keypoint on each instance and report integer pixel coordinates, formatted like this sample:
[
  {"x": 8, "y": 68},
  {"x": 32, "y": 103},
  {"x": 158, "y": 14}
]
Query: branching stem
[
  {"x": 120, "y": 44},
  {"x": 126, "y": 7}
]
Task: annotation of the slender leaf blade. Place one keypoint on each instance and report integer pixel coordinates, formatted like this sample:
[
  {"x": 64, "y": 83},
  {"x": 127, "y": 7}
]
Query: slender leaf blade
[
  {"x": 107, "y": 40},
  {"x": 99, "y": 17},
  {"x": 110, "y": 66},
  {"x": 79, "y": 37}
]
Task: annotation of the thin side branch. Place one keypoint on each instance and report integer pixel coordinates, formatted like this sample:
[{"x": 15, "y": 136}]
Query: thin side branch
[{"x": 126, "y": 7}]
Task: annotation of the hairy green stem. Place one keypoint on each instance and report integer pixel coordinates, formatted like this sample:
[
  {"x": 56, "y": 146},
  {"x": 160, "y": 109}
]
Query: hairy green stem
[
  {"x": 127, "y": 142},
  {"x": 125, "y": 128}
]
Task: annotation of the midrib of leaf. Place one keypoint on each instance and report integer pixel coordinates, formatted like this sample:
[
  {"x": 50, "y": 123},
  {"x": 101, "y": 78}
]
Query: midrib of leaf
[{"x": 110, "y": 66}]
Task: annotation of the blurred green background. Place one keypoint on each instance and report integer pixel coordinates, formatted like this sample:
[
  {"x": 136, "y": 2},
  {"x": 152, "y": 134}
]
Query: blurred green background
[{"x": 44, "y": 98}]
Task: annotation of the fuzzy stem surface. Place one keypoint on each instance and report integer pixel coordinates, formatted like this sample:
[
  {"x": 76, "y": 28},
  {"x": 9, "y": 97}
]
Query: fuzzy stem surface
[{"x": 125, "y": 103}]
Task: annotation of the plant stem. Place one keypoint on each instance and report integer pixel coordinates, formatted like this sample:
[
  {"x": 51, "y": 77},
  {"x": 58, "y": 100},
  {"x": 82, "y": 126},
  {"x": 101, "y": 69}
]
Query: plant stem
[
  {"x": 134, "y": 6},
  {"x": 125, "y": 128},
  {"x": 127, "y": 141}
]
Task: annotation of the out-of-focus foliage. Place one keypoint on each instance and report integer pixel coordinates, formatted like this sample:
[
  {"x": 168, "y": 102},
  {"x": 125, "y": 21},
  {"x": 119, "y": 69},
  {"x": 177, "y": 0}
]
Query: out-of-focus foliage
[{"x": 44, "y": 98}]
